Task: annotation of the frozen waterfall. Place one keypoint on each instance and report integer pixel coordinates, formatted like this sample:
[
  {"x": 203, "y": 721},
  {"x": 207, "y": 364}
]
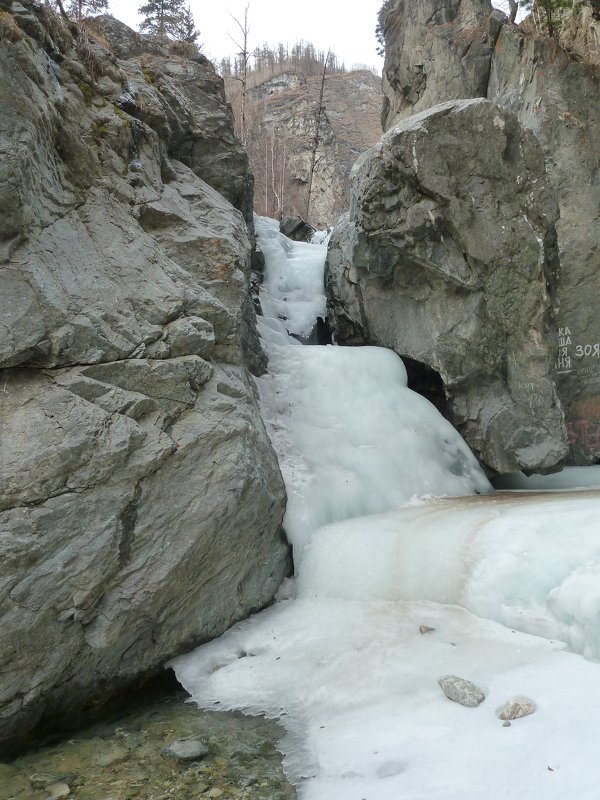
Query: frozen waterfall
[{"x": 394, "y": 527}]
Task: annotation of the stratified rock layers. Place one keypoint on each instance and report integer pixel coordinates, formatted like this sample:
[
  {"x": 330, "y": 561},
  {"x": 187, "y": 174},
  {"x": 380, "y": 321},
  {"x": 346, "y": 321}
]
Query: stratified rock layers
[{"x": 141, "y": 503}]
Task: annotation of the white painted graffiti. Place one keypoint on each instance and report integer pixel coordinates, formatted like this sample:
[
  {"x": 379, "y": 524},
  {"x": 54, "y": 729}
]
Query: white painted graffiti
[
  {"x": 588, "y": 350},
  {"x": 567, "y": 351},
  {"x": 563, "y": 363}
]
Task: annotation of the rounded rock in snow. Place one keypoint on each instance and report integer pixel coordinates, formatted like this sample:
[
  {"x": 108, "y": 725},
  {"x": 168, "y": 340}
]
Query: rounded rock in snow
[
  {"x": 516, "y": 707},
  {"x": 461, "y": 691}
]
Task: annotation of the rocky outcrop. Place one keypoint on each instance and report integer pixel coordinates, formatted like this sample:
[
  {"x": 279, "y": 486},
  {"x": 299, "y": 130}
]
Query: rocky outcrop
[
  {"x": 444, "y": 258},
  {"x": 435, "y": 51},
  {"x": 576, "y": 27},
  {"x": 438, "y": 52},
  {"x": 180, "y": 94},
  {"x": 141, "y": 503},
  {"x": 557, "y": 97},
  {"x": 281, "y": 113}
]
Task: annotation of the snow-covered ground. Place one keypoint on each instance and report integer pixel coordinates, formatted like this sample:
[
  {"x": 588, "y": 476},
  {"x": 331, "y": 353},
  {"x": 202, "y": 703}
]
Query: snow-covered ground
[{"x": 505, "y": 583}]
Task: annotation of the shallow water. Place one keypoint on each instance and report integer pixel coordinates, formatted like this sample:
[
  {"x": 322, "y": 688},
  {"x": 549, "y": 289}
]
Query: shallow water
[{"x": 123, "y": 759}]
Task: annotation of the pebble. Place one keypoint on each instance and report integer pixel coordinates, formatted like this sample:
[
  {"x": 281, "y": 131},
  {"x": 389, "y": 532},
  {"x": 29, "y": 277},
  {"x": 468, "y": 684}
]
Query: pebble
[
  {"x": 425, "y": 629},
  {"x": 461, "y": 691},
  {"x": 113, "y": 756},
  {"x": 58, "y": 791},
  {"x": 516, "y": 707},
  {"x": 187, "y": 749},
  {"x": 40, "y": 780}
]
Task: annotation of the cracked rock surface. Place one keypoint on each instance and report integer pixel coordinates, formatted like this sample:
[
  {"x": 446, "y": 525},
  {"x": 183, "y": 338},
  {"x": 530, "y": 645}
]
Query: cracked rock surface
[
  {"x": 140, "y": 500},
  {"x": 445, "y": 258},
  {"x": 506, "y": 386}
]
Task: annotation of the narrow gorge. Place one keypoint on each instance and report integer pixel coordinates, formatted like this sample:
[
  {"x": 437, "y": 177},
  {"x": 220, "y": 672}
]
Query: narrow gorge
[{"x": 293, "y": 528}]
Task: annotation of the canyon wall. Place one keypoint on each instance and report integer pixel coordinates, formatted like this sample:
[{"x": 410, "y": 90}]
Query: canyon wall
[
  {"x": 461, "y": 199},
  {"x": 141, "y": 502}
]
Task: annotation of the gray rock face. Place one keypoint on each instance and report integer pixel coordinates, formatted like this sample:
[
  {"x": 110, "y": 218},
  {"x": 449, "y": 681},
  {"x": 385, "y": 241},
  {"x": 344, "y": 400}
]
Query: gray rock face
[
  {"x": 282, "y": 109},
  {"x": 436, "y": 51},
  {"x": 182, "y": 91},
  {"x": 140, "y": 500},
  {"x": 461, "y": 691},
  {"x": 461, "y": 48},
  {"x": 445, "y": 258},
  {"x": 557, "y": 97}
]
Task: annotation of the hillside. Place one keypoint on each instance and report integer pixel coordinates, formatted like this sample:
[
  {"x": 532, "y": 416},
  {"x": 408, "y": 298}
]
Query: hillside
[{"x": 281, "y": 113}]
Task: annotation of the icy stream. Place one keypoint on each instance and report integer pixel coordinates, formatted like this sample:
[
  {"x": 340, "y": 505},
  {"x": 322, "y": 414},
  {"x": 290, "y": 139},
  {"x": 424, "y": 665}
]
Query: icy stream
[{"x": 395, "y": 527}]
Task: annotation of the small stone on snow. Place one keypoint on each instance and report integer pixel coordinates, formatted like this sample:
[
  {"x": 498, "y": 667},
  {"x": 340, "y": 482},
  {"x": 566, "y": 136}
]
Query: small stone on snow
[
  {"x": 461, "y": 691},
  {"x": 516, "y": 707}
]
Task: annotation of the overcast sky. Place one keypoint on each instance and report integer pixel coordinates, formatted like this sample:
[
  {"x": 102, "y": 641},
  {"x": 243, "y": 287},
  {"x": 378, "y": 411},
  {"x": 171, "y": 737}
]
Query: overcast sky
[{"x": 347, "y": 28}]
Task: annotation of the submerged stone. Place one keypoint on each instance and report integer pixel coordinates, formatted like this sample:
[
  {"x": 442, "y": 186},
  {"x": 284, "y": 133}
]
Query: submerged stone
[
  {"x": 58, "y": 791},
  {"x": 187, "y": 749}
]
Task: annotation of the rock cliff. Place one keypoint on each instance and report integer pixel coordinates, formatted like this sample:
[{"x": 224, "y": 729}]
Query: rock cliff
[
  {"x": 440, "y": 52},
  {"x": 141, "y": 502},
  {"x": 557, "y": 96},
  {"x": 281, "y": 112}
]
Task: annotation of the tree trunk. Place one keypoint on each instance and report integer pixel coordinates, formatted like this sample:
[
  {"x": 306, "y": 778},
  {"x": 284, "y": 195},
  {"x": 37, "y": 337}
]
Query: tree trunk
[
  {"x": 244, "y": 56},
  {"x": 61, "y": 8},
  {"x": 315, "y": 142}
]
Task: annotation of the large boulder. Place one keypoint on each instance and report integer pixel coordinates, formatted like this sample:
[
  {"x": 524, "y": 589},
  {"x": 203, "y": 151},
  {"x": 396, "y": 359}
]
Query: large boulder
[
  {"x": 445, "y": 257},
  {"x": 140, "y": 499},
  {"x": 295, "y": 228}
]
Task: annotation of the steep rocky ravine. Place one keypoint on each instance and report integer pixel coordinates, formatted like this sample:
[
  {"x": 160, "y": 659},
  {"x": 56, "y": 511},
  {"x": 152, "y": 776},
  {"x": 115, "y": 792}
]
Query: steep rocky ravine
[{"x": 141, "y": 500}]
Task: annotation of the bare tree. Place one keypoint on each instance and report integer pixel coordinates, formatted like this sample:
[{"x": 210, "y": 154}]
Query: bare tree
[
  {"x": 316, "y": 138},
  {"x": 61, "y": 8},
  {"x": 242, "y": 72},
  {"x": 78, "y": 9},
  {"x": 510, "y": 7},
  {"x": 278, "y": 170}
]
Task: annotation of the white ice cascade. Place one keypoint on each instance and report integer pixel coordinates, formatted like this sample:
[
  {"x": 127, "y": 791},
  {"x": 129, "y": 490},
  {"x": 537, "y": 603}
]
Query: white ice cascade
[{"x": 340, "y": 659}]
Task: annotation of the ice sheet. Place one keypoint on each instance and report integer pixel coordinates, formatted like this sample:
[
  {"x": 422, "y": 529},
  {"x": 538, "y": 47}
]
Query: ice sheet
[{"x": 340, "y": 659}]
